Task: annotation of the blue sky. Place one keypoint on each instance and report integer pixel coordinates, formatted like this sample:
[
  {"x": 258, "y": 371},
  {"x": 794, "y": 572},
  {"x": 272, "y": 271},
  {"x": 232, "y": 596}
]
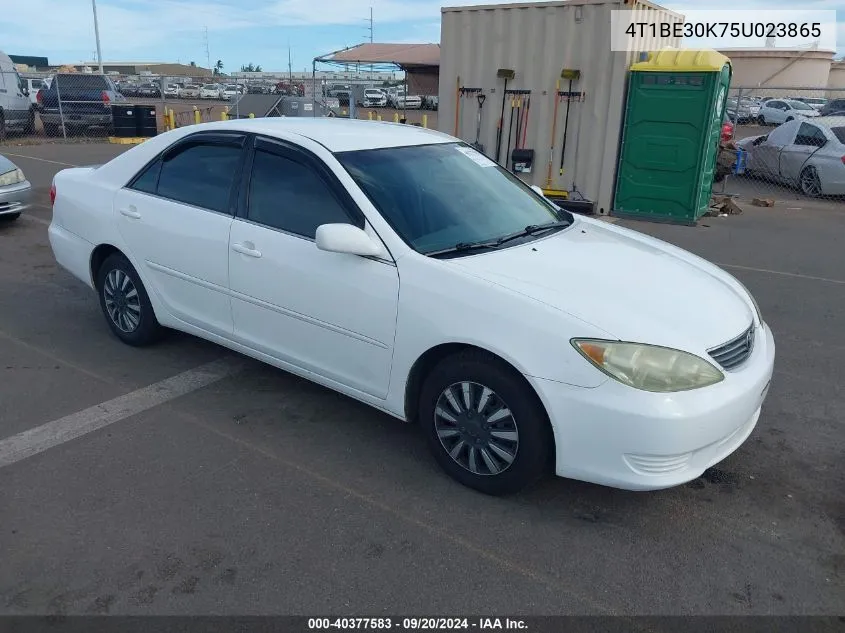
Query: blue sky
[{"x": 173, "y": 30}]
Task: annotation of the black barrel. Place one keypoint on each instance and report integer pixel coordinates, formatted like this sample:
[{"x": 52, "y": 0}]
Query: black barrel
[
  {"x": 123, "y": 120},
  {"x": 145, "y": 120}
]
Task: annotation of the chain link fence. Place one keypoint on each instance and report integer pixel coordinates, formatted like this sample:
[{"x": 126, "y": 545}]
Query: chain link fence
[
  {"x": 83, "y": 106},
  {"x": 785, "y": 144}
]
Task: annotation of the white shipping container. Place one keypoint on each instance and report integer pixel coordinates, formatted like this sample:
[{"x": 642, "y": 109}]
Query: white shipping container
[{"x": 536, "y": 41}]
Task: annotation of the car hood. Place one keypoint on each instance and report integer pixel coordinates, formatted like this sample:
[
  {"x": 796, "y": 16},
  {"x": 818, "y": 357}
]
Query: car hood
[{"x": 632, "y": 288}]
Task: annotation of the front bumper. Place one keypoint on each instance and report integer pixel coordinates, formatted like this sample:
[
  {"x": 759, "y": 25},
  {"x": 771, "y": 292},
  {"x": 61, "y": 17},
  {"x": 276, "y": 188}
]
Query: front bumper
[
  {"x": 15, "y": 198},
  {"x": 621, "y": 437},
  {"x": 75, "y": 119}
]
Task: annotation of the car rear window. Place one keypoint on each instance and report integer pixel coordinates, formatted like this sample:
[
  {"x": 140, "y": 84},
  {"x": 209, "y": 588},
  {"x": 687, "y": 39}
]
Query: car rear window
[
  {"x": 839, "y": 133},
  {"x": 83, "y": 81}
]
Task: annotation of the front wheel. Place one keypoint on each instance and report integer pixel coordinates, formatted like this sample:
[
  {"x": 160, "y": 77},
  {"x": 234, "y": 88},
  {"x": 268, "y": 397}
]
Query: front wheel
[
  {"x": 125, "y": 303},
  {"x": 484, "y": 424}
]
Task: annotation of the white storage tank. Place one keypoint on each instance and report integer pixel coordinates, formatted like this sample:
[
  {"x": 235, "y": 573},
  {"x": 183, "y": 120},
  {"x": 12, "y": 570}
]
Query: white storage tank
[
  {"x": 773, "y": 68},
  {"x": 537, "y": 41}
]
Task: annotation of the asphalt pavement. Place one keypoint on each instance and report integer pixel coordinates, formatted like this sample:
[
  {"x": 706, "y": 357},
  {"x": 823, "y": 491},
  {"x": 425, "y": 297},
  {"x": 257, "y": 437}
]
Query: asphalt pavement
[{"x": 235, "y": 488}]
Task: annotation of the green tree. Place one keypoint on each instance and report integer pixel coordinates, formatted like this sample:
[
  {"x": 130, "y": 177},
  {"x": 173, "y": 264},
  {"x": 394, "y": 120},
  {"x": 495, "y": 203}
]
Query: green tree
[
  {"x": 218, "y": 67},
  {"x": 194, "y": 64},
  {"x": 251, "y": 68}
]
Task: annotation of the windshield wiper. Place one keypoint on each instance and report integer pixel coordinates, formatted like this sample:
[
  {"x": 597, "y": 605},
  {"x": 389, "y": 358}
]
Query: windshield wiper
[
  {"x": 461, "y": 247},
  {"x": 532, "y": 229}
]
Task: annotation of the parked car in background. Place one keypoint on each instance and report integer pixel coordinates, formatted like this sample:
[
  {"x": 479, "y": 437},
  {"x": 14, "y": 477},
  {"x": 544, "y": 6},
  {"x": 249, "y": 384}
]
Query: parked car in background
[
  {"x": 230, "y": 91},
  {"x": 17, "y": 113},
  {"x": 742, "y": 110},
  {"x": 393, "y": 95},
  {"x": 171, "y": 91},
  {"x": 807, "y": 154},
  {"x": 429, "y": 102},
  {"x": 728, "y": 129},
  {"x": 211, "y": 91},
  {"x": 408, "y": 102},
  {"x": 779, "y": 111},
  {"x": 15, "y": 190},
  {"x": 33, "y": 86},
  {"x": 832, "y": 106},
  {"x": 150, "y": 90},
  {"x": 189, "y": 91},
  {"x": 374, "y": 98},
  {"x": 86, "y": 103},
  {"x": 816, "y": 103},
  {"x": 630, "y": 388}
]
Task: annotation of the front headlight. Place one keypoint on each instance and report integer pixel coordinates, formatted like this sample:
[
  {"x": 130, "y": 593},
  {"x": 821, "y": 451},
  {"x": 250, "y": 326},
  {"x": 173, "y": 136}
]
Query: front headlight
[
  {"x": 11, "y": 178},
  {"x": 649, "y": 367}
]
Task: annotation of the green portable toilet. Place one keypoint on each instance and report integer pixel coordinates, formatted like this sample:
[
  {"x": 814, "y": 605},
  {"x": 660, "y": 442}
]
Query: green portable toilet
[{"x": 670, "y": 141}]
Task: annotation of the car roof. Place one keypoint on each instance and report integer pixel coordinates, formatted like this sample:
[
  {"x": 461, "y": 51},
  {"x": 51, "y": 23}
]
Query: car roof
[
  {"x": 830, "y": 121},
  {"x": 337, "y": 134}
]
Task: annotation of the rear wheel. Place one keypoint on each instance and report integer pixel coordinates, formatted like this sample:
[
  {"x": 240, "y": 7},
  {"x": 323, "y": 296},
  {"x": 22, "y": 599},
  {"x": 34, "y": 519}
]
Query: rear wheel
[
  {"x": 788, "y": 119},
  {"x": 125, "y": 303},
  {"x": 809, "y": 182},
  {"x": 484, "y": 424}
]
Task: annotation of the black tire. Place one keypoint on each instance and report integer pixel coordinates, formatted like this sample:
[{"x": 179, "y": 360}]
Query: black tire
[
  {"x": 809, "y": 182},
  {"x": 3, "y": 131},
  {"x": 9, "y": 217},
  {"x": 535, "y": 447},
  {"x": 147, "y": 330},
  {"x": 30, "y": 123}
]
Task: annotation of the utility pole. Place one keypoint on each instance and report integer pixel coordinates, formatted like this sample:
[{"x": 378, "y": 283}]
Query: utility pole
[
  {"x": 290, "y": 67},
  {"x": 372, "y": 68},
  {"x": 97, "y": 36},
  {"x": 207, "y": 53}
]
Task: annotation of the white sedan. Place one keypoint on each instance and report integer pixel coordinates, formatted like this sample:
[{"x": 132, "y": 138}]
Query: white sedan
[
  {"x": 211, "y": 91},
  {"x": 404, "y": 269},
  {"x": 777, "y": 111}
]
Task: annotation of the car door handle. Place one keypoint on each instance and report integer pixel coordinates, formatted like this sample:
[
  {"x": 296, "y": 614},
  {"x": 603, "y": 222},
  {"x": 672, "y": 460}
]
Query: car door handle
[
  {"x": 130, "y": 213},
  {"x": 246, "y": 249}
]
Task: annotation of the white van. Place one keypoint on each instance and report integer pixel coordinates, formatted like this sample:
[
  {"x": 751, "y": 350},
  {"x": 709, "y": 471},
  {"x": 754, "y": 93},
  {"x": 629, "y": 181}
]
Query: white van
[
  {"x": 16, "y": 111},
  {"x": 34, "y": 85}
]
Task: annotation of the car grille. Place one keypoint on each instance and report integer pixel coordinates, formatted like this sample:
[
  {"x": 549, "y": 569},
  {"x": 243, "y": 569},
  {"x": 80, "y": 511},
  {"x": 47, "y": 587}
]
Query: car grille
[{"x": 736, "y": 351}]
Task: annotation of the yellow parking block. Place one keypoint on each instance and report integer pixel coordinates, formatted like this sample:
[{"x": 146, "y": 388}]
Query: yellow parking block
[{"x": 129, "y": 140}]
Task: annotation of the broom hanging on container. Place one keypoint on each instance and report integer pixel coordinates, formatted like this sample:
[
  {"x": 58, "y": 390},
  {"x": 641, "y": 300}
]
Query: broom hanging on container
[{"x": 571, "y": 75}]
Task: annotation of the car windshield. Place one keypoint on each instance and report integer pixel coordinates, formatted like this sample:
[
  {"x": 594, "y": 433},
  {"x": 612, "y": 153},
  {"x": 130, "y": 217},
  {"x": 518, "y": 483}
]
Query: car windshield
[
  {"x": 799, "y": 105},
  {"x": 438, "y": 196}
]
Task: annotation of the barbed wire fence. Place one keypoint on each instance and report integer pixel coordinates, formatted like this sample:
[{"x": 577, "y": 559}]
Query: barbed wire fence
[{"x": 787, "y": 144}]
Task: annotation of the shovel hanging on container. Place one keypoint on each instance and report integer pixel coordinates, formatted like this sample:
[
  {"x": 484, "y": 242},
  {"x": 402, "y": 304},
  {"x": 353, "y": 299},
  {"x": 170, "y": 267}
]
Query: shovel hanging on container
[{"x": 481, "y": 97}]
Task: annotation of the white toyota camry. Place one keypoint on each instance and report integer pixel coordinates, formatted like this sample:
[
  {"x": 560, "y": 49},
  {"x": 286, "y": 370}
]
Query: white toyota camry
[{"x": 402, "y": 268}]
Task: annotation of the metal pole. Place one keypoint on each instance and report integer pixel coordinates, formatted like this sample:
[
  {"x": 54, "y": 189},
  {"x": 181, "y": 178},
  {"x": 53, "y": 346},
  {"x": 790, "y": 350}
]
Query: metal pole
[
  {"x": 97, "y": 36},
  {"x": 61, "y": 115},
  {"x": 314, "y": 86}
]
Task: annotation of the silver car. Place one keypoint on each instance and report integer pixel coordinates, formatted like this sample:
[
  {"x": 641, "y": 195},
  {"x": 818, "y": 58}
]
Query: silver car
[
  {"x": 15, "y": 190},
  {"x": 808, "y": 154}
]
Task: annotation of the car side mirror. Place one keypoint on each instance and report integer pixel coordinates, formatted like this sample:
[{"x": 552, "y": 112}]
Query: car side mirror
[
  {"x": 538, "y": 190},
  {"x": 346, "y": 238}
]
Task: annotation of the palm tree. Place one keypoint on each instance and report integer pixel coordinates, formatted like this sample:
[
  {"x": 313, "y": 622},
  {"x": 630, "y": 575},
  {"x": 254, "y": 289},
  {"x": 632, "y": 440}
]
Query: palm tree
[
  {"x": 218, "y": 67},
  {"x": 194, "y": 64}
]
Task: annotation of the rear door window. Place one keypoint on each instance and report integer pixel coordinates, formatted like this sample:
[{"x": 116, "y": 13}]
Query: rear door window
[{"x": 839, "y": 133}]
